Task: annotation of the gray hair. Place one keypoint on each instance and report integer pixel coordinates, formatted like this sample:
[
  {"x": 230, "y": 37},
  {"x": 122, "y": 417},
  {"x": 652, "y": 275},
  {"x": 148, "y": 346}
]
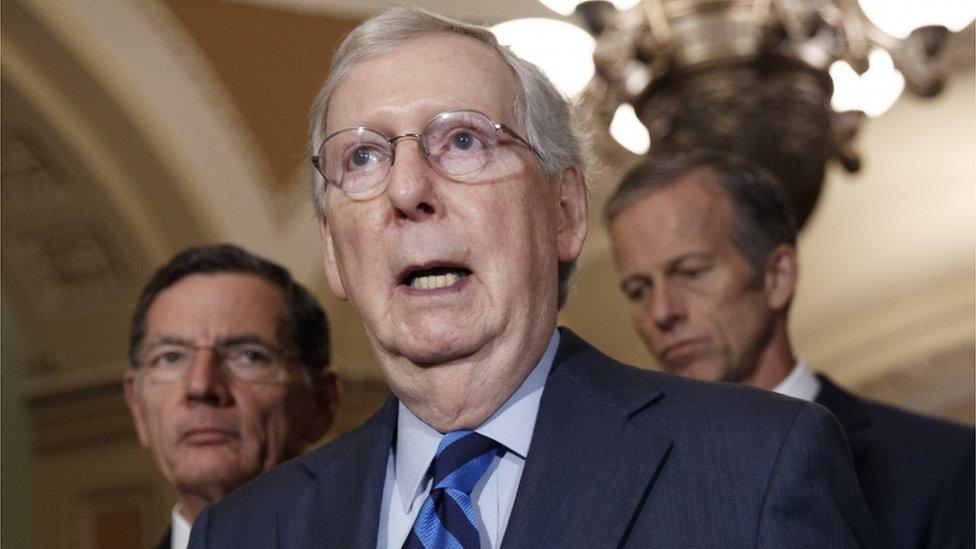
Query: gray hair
[
  {"x": 541, "y": 109},
  {"x": 761, "y": 219}
]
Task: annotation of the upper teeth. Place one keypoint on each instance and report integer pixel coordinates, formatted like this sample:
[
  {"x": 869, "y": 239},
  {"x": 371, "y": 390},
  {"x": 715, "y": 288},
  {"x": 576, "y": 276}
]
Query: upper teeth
[{"x": 433, "y": 282}]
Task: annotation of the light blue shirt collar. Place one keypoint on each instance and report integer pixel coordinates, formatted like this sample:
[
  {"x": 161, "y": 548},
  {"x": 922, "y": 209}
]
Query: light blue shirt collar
[{"x": 511, "y": 425}]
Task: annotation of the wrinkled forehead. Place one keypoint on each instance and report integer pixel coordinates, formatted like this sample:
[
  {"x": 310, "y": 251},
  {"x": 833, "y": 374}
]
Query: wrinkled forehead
[
  {"x": 398, "y": 90},
  {"x": 208, "y": 307}
]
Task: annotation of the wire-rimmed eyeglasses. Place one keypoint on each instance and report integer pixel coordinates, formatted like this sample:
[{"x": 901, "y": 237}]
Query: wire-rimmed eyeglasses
[
  {"x": 455, "y": 143},
  {"x": 257, "y": 361}
]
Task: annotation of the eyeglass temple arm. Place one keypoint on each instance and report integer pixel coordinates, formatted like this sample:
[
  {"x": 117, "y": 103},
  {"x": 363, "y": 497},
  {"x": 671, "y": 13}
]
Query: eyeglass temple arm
[{"x": 515, "y": 134}]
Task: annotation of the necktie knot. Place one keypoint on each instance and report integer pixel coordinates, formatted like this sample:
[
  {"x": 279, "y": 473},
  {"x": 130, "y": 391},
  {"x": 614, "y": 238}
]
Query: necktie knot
[
  {"x": 447, "y": 518},
  {"x": 461, "y": 460}
]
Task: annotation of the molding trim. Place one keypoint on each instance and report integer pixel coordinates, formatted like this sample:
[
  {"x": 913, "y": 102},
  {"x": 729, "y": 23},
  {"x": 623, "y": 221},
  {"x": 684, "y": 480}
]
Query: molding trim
[{"x": 146, "y": 61}]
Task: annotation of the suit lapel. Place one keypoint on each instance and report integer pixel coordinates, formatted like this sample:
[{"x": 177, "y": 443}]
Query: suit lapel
[
  {"x": 341, "y": 508},
  {"x": 592, "y": 462}
]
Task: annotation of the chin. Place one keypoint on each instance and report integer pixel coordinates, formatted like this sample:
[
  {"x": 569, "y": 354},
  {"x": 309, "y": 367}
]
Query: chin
[
  {"x": 430, "y": 353},
  {"x": 438, "y": 341},
  {"x": 213, "y": 478}
]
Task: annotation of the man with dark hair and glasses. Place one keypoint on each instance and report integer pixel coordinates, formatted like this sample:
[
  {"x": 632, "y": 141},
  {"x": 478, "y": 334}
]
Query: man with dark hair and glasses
[
  {"x": 448, "y": 177},
  {"x": 229, "y": 374}
]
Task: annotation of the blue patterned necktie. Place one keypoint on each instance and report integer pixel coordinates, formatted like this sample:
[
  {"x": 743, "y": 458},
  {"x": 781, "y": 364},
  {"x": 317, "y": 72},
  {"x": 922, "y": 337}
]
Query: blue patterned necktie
[{"x": 447, "y": 518}]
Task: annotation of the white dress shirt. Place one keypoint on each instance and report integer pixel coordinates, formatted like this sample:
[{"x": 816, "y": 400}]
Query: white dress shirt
[
  {"x": 801, "y": 384},
  {"x": 408, "y": 483},
  {"x": 180, "y": 533}
]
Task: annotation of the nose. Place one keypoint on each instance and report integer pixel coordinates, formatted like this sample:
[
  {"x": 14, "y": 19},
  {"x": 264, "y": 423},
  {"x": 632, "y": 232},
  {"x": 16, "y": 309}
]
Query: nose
[
  {"x": 666, "y": 307},
  {"x": 206, "y": 381},
  {"x": 412, "y": 188}
]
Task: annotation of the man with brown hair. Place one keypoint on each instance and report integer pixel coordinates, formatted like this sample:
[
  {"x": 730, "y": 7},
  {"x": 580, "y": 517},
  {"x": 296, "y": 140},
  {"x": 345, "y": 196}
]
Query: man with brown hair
[{"x": 229, "y": 374}]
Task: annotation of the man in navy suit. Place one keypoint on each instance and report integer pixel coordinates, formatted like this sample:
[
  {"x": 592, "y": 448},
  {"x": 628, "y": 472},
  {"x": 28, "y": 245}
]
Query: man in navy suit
[
  {"x": 706, "y": 252},
  {"x": 449, "y": 182},
  {"x": 229, "y": 374}
]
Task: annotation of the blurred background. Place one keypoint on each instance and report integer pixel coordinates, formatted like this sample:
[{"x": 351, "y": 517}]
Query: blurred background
[{"x": 133, "y": 129}]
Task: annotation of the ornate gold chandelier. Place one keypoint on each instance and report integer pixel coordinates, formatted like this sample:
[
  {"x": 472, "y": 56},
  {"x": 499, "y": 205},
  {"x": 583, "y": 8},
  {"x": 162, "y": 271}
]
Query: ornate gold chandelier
[{"x": 753, "y": 77}]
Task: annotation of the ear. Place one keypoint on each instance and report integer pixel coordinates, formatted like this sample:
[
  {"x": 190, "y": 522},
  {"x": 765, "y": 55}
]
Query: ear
[
  {"x": 781, "y": 277},
  {"x": 330, "y": 262},
  {"x": 132, "y": 400},
  {"x": 572, "y": 215},
  {"x": 327, "y": 392}
]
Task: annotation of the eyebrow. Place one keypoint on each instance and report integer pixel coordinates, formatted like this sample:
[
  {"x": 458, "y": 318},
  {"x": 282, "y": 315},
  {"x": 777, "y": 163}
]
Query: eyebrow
[
  {"x": 669, "y": 266},
  {"x": 234, "y": 339},
  {"x": 694, "y": 256},
  {"x": 167, "y": 340}
]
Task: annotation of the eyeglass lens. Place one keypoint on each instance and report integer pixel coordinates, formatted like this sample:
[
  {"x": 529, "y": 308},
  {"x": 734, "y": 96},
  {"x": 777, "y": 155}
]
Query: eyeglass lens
[
  {"x": 247, "y": 361},
  {"x": 456, "y": 143}
]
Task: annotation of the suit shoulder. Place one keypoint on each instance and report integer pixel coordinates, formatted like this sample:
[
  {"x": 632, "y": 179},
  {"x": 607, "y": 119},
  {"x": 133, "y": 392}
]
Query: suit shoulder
[
  {"x": 278, "y": 488},
  {"x": 894, "y": 429},
  {"x": 736, "y": 402},
  {"x": 747, "y": 420},
  {"x": 910, "y": 443},
  {"x": 908, "y": 427},
  {"x": 726, "y": 408},
  {"x": 280, "y": 485},
  {"x": 713, "y": 404}
]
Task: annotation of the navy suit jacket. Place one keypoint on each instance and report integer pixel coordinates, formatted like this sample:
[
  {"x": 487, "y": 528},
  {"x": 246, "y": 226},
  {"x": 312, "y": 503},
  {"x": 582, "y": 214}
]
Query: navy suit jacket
[
  {"x": 620, "y": 457},
  {"x": 916, "y": 473}
]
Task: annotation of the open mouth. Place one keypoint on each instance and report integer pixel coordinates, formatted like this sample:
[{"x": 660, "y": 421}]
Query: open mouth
[{"x": 434, "y": 278}]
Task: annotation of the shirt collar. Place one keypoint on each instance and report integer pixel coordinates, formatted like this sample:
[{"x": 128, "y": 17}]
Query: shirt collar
[
  {"x": 511, "y": 425},
  {"x": 180, "y": 533},
  {"x": 801, "y": 383}
]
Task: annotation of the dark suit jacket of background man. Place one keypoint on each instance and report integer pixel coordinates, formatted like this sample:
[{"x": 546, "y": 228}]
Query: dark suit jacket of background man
[
  {"x": 917, "y": 473},
  {"x": 167, "y": 540},
  {"x": 619, "y": 457}
]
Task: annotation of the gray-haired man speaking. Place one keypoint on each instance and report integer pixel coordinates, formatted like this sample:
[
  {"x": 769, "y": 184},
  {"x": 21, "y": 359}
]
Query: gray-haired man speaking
[{"x": 452, "y": 196}]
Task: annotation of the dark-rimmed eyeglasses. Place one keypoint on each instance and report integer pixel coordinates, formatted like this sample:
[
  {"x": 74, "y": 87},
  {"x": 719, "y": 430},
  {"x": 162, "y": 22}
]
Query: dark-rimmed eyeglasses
[
  {"x": 457, "y": 144},
  {"x": 246, "y": 360}
]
